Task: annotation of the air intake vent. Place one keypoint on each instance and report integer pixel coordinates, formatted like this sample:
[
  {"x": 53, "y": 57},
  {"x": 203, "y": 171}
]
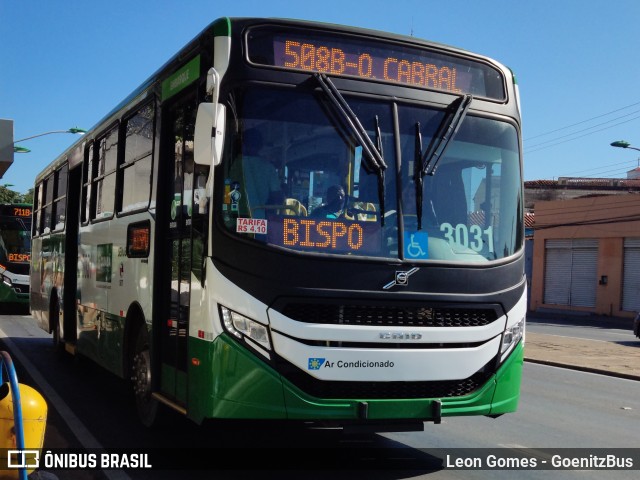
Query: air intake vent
[
  {"x": 384, "y": 390},
  {"x": 389, "y": 315}
]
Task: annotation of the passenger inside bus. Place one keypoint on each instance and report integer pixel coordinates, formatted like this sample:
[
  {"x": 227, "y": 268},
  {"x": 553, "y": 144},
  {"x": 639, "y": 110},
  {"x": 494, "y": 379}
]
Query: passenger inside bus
[{"x": 335, "y": 206}]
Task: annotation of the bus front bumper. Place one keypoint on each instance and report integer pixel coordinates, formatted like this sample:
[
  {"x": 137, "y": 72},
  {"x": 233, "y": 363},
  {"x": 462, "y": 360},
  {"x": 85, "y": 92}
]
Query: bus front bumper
[{"x": 230, "y": 382}]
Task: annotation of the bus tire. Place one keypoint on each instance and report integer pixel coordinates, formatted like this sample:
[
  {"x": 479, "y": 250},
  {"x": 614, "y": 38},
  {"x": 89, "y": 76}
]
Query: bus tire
[{"x": 146, "y": 405}]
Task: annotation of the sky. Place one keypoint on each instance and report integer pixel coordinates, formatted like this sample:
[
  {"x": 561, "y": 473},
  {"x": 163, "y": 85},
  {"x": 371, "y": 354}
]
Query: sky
[{"x": 66, "y": 63}]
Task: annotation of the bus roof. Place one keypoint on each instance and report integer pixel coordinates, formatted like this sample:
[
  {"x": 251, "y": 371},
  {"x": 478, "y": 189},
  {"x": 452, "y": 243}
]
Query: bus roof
[{"x": 223, "y": 26}]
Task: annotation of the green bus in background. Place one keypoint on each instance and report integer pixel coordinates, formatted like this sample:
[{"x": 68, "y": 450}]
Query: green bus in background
[{"x": 15, "y": 255}]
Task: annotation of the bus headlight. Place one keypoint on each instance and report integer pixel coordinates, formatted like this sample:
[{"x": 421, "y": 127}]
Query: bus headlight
[
  {"x": 512, "y": 336},
  {"x": 244, "y": 328},
  {"x": 7, "y": 281}
]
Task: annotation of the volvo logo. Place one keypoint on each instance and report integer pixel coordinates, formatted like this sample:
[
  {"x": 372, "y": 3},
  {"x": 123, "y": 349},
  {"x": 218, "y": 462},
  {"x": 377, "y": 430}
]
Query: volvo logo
[
  {"x": 402, "y": 279},
  {"x": 400, "y": 336}
]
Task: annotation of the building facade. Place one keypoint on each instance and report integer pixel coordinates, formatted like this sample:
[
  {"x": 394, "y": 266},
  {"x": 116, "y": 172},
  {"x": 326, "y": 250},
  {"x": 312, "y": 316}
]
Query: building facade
[
  {"x": 586, "y": 255},
  {"x": 568, "y": 188}
]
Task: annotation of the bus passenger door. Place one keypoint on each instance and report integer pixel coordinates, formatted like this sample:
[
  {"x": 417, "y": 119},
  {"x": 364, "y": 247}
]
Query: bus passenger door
[{"x": 175, "y": 242}]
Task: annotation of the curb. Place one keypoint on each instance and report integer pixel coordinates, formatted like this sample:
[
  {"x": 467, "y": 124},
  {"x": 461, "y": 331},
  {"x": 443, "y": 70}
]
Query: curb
[{"x": 597, "y": 371}]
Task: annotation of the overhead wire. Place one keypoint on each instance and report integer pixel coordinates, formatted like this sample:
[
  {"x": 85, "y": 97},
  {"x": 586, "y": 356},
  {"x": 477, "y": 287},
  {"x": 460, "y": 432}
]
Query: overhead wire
[
  {"x": 599, "y": 168},
  {"x": 597, "y": 171},
  {"x": 581, "y": 122},
  {"x": 559, "y": 140},
  {"x": 584, "y": 132}
]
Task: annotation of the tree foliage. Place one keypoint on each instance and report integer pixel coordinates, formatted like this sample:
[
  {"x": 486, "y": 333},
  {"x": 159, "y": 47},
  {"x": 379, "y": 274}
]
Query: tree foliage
[{"x": 11, "y": 196}]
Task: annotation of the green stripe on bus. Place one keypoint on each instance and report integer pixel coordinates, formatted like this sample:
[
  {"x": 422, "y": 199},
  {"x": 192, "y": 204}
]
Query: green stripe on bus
[
  {"x": 184, "y": 77},
  {"x": 222, "y": 27}
]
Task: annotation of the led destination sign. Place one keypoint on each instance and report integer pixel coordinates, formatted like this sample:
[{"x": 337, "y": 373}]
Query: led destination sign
[
  {"x": 372, "y": 59},
  {"x": 319, "y": 57},
  {"x": 19, "y": 257},
  {"x": 22, "y": 211},
  {"x": 330, "y": 236},
  {"x": 15, "y": 211}
]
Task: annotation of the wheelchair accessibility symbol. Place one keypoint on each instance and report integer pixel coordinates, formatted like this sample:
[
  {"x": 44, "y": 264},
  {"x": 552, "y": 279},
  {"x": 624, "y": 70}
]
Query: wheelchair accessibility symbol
[{"x": 416, "y": 245}]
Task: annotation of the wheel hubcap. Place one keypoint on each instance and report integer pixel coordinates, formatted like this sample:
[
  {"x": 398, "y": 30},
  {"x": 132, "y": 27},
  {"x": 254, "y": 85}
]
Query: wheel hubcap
[{"x": 141, "y": 375}]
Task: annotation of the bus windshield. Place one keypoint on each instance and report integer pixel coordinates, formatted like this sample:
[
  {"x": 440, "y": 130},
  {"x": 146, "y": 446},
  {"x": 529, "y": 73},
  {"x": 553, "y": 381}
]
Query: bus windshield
[
  {"x": 15, "y": 243},
  {"x": 297, "y": 177}
]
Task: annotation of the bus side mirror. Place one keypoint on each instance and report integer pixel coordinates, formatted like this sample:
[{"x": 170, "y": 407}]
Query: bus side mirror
[{"x": 209, "y": 134}]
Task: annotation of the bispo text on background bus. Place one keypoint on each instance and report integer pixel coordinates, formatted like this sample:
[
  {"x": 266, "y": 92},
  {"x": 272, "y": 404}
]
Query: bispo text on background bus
[
  {"x": 295, "y": 220},
  {"x": 15, "y": 255}
]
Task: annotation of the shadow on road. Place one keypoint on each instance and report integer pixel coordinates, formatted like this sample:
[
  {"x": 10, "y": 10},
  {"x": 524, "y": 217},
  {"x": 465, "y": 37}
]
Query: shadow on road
[{"x": 103, "y": 403}]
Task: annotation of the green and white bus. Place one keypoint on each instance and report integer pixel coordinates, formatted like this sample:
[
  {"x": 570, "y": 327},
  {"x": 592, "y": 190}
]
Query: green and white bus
[
  {"x": 296, "y": 220},
  {"x": 15, "y": 255}
]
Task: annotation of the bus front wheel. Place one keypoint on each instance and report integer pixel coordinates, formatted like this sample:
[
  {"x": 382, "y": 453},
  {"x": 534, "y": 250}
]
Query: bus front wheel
[{"x": 146, "y": 405}]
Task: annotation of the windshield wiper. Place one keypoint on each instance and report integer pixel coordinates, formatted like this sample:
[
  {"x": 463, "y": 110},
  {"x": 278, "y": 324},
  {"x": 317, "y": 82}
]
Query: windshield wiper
[
  {"x": 381, "y": 192},
  {"x": 447, "y": 130},
  {"x": 372, "y": 153},
  {"x": 418, "y": 176},
  {"x": 428, "y": 163},
  {"x": 379, "y": 138}
]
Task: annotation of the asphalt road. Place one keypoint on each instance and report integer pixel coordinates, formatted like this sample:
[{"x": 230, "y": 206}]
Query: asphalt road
[
  {"x": 618, "y": 330},
  {"x": 559, "y": 408}
]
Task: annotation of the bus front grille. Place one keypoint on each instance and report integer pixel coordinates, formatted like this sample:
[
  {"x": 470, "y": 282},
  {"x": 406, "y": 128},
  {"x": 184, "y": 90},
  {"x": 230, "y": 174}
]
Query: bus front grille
[{"x": 390, "y": 315}]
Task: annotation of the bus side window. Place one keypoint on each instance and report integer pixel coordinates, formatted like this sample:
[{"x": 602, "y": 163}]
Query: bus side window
[
  {"x": 45, "y": 226},
  {"x": 37, "y": 205},
  {"x": 87, "y": 173},
  {"x": 135, "y": 168},
  {"x": 104, "y": 181},
  {"x": 60, "y": 198}
]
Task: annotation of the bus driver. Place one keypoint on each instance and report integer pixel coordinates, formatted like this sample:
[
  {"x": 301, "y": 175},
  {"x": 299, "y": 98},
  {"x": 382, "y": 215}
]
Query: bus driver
[{"x": 336, "y": 205}]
